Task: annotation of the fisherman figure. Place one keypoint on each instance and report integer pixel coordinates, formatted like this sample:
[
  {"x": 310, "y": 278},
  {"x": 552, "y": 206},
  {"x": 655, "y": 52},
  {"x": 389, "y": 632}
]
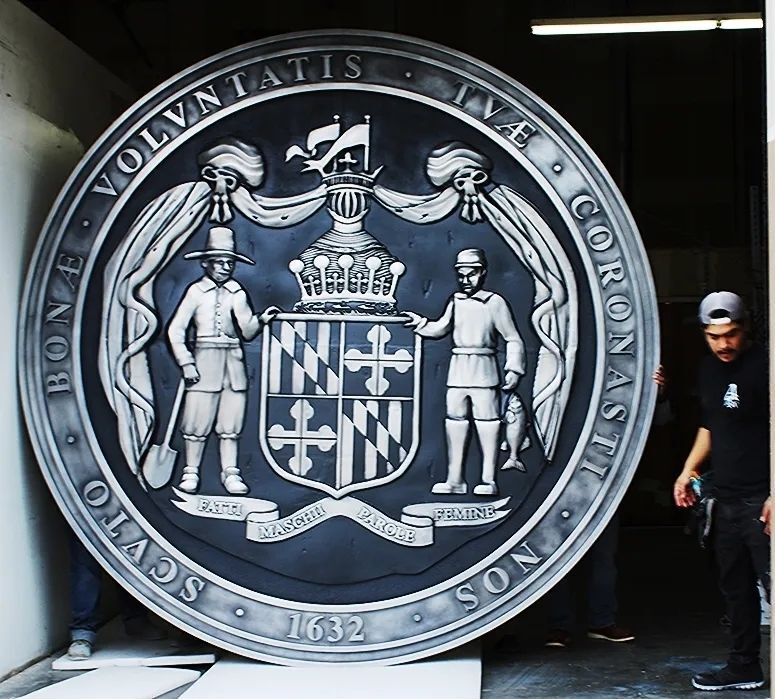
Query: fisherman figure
[
  {"x": 214, "y": 369},
  {"x": 477, "y": 319}
]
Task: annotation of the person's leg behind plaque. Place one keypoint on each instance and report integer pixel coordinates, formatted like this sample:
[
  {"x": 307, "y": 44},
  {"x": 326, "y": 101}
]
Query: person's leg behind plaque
[
  {"x": 561, "y": 617},
  {"x": 597, "y": 570},
  {"x": 85, "y": 595},
  {"x": 602, "y": 601},
  {"x": 86, "y": 586}
]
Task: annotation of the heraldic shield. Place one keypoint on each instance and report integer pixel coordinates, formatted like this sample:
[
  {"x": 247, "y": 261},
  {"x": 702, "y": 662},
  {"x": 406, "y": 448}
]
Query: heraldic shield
[{"x": 340, "y": 399}]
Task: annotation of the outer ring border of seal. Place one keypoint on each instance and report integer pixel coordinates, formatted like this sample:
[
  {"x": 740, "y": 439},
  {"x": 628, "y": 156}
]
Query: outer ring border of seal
[{"x": 589, "y": 163}]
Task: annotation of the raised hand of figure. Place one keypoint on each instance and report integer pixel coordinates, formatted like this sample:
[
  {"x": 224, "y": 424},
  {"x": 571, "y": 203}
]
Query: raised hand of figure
[
  {"x": 510, "y": 381},
  {"x": 190, "y": 374},
  {"x": 268, "y": 315},
  {"x": 415, "y": 320}
]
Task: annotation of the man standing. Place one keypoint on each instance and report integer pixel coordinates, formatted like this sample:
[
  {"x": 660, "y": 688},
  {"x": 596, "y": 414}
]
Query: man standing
[
  {"x": 214, "y": 373},
  {"x": 478, "y": 319},
  {"x": 85, "y": 593},
  {"x": 599, "y": 571},
  {"x": 733, "y": 389}
]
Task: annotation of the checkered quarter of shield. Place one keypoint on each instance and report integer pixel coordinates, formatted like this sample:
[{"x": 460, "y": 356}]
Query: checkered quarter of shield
[
  {"x": 303, "y": 358},
  {"x": 375, "y": 438}
]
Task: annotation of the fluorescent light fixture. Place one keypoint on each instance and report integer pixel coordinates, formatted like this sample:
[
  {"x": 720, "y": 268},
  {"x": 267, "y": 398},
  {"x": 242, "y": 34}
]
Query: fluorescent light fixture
[
  {"x": 752, "y": 22},
  {"x": 654, "y": 23}
]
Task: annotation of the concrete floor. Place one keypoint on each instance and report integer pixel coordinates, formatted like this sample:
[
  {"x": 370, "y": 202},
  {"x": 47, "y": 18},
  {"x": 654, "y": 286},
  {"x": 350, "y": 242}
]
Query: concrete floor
[
  {"x": 667, "y": 598},
  {"x": 658, "y": 665}
]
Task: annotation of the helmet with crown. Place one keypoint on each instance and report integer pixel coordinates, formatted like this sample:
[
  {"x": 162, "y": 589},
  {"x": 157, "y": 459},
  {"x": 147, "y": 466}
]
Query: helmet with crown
[{"x": 346, "y": 270}]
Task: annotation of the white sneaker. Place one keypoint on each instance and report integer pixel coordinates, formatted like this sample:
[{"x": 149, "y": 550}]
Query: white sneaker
[{"x": 79, "y": 650}]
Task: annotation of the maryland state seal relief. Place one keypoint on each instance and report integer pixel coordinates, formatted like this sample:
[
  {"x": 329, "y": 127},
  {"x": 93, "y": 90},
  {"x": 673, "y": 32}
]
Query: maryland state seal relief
[{"x": 336, "y": 347}]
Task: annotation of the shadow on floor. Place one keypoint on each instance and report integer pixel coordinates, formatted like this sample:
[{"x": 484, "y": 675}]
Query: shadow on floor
[{"x": 667, "y": 598}]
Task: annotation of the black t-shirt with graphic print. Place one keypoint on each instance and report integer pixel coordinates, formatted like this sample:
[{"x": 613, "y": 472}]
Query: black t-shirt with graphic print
[{"x": 735, "y": 408}]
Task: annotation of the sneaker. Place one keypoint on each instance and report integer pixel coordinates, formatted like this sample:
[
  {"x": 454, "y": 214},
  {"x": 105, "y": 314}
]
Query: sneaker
[
  {"x": 730, "y": 677},
  {"x": 557, "y": 638},
  {"x": 613, "y": 633},
  {"x": 79, "y": 650}
]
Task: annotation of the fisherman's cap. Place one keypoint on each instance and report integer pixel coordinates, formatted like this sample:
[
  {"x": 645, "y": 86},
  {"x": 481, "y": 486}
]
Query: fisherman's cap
[{"x": 471, "y": 257}]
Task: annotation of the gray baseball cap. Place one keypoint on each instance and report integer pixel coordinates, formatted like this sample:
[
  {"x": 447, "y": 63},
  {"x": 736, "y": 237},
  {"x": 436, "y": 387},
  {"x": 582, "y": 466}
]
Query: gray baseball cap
[{"x": 721, "y": 307}]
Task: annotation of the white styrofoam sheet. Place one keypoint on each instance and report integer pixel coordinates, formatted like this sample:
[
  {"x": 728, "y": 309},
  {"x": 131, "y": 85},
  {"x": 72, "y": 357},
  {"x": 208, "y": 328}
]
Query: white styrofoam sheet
[
  {"x": 118, "y": 683},
  {"x": 457, "y": 676},
  {"x": 118, "y": 652}
]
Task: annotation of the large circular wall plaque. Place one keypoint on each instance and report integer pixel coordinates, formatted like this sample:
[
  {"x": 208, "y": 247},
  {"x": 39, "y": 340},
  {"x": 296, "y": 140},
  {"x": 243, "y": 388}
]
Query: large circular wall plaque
[{"x": 337, "y": 347}]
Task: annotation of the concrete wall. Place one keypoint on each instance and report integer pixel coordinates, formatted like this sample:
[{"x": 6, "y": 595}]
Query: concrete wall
[{"x": 54, "y": 101}]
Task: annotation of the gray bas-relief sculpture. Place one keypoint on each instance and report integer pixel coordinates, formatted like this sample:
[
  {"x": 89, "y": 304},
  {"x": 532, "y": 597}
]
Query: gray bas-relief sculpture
[{"x": 336, "y": 349}]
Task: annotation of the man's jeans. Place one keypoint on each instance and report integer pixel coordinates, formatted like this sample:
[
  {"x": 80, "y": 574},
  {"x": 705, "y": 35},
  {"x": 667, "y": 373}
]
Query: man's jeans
[
  {"x": 743, "y": 557},
  {"x": 85, "y": 589},
  {"x": 85, "y": 593},
  {"x": 598, "y": 570}
]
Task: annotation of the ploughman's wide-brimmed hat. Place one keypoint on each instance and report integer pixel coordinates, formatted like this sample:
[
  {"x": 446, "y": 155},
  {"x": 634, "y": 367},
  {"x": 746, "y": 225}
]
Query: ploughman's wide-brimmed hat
[{"x": 220, "y": 243}]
